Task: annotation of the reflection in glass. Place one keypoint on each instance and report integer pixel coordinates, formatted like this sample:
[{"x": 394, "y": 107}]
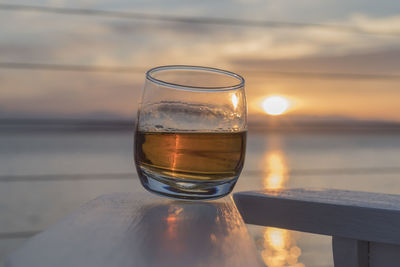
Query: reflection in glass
[
  {"x": 188, "y": 234},
  {"x": 172, "y": 222},
  {"x": 278, "y": 246}
]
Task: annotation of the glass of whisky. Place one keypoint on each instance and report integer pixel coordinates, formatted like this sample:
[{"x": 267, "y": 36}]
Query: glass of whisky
[{"x": 191, "y": 127}]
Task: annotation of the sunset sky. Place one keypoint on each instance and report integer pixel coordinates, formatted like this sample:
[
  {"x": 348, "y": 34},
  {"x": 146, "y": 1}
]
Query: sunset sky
[{"x": 351, "y": 71}]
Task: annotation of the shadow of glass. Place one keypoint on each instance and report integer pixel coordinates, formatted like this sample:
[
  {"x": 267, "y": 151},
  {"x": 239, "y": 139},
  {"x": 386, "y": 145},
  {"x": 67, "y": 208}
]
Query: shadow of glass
[{"x": 183, "y": 233}]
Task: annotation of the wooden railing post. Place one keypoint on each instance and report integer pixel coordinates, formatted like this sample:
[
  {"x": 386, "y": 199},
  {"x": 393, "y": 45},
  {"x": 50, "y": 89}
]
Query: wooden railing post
[{"x": 349, "y": 252}]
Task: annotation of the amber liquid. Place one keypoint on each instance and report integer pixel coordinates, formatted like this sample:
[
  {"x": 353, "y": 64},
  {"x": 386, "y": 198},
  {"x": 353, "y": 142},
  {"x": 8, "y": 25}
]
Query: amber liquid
[{"x": 195, "y": 156}]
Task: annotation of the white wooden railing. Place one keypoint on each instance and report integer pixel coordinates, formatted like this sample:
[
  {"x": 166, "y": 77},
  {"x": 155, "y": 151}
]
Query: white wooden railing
[{"x": 140, "y": 229}]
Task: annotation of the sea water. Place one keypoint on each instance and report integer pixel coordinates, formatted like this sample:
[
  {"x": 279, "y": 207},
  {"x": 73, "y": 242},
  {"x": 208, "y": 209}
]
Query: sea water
[{"x": 45, "y": 176}]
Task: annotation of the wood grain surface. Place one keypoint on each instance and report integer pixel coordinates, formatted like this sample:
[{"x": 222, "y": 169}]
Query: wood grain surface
[
  {"x": 348, "y": 214},
  {"x": 141, "y": 229}
]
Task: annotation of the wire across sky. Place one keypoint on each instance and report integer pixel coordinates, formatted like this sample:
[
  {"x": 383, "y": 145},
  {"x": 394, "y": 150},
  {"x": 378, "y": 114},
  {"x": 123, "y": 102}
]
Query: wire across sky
[
  {"x": 191, "y": 20},
  {"x": 141, "y": 70}
]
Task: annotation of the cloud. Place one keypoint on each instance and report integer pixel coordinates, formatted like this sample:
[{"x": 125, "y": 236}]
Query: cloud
[
  {"x": 384, "y": 62},
  {"x": 69, "y": 92},
  {"x": 109, "y": 42},
  {"x": 388, "y": 25}
]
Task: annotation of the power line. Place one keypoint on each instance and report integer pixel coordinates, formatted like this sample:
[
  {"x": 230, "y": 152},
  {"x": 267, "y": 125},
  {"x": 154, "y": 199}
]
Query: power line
[
  {"x": 142, "y": 70},
  {"x": 66, "y": 67},
  {"x": 324, "y": 75},
  {"x": 188, "y": 20},
  {"x": 17, "y": 235}
]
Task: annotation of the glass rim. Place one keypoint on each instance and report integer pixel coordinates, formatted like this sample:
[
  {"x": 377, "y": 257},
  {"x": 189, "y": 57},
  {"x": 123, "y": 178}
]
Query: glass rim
[{"x": 240, "y": 84}]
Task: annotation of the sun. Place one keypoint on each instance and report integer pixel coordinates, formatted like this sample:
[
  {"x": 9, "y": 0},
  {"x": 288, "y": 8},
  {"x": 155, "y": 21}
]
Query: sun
[{"x": 275, "y": 105}]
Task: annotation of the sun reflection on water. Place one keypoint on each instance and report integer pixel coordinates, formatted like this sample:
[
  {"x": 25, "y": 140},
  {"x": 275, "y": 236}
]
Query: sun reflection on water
[
  {"x": 280, "y": 249},
  {"x": 278, "y": 246},
  {"x": 276, "y": 169}
]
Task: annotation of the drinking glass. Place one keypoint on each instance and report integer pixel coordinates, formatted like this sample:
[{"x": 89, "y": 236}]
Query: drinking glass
[{"x": 191, "y": 128}]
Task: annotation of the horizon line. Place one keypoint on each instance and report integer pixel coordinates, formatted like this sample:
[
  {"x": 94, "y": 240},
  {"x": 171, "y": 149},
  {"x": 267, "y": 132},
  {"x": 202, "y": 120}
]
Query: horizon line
[{"x": 39, "y": 125}]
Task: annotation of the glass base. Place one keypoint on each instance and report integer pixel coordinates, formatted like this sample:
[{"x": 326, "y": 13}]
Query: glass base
[{"x": 183, "y": 189}]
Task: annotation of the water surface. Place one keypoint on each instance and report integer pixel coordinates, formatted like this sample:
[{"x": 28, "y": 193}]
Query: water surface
[{"x": 44, "y": 177}]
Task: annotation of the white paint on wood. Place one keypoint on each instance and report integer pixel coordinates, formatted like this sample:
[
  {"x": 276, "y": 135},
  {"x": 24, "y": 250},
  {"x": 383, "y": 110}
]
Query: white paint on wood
[
  {"x": 141, "y": 229},
  {"x": 349, "y": 252},
  {"x": 349, "y": 214}
]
